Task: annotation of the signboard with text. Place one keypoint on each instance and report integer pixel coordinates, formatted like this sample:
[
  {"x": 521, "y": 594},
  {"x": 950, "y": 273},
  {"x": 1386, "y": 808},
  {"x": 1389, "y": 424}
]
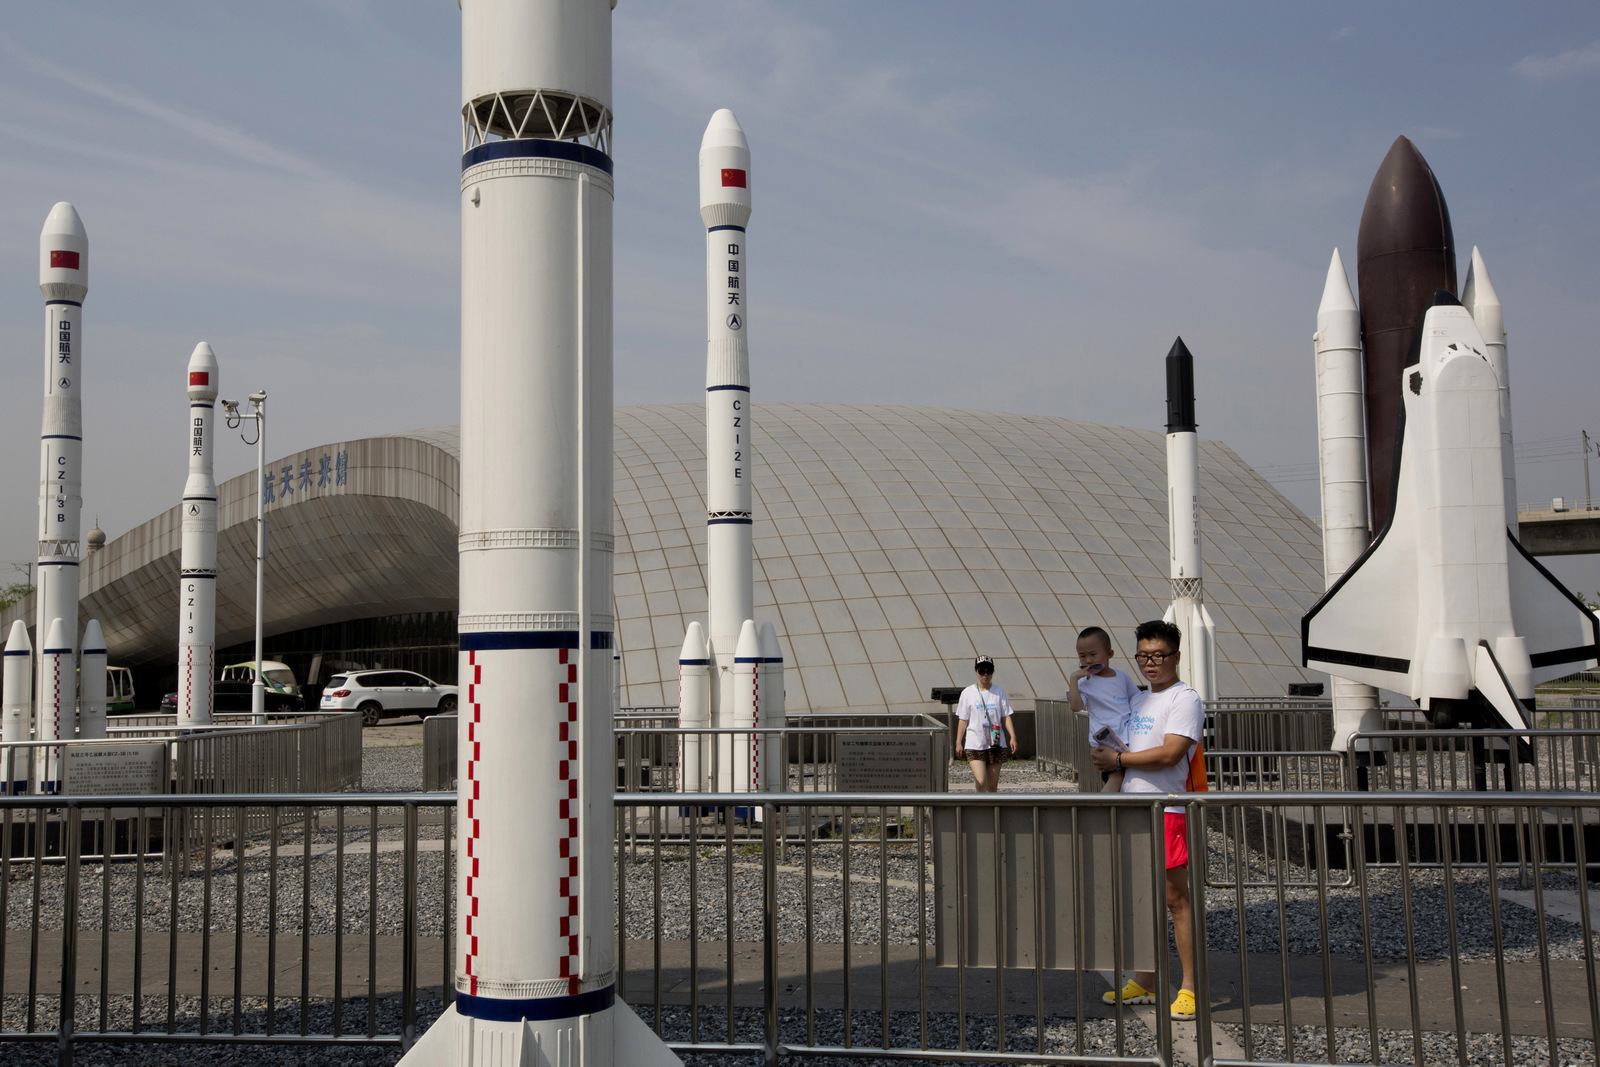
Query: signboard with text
[
  {"x": 114, "y": 769},
  {"x": 884, "y": 763}
]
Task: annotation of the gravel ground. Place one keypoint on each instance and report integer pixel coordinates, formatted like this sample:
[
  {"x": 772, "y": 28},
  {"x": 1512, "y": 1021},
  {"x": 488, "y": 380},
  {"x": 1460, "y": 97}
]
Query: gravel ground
[
  {"x": 396, "y": 769},
  {"x": 1397, "y": 1046}
]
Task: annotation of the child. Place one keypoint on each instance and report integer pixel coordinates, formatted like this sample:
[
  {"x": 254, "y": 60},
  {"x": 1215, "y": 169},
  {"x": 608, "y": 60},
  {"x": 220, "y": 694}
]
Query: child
[{"x": 1106, "y": 693}]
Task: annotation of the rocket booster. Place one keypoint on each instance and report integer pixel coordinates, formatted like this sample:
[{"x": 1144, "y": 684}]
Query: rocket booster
[
  {"x": 1342, "y": 461},
  {"x": 64, "y": 281},
  {"x": 1198, "y": 665},
  {"x": 197, "y": 579},
  {"x": 1480, "y": 299},
  {"x": 725, "y": 210},
  {"x": 92, "y": 684},
  {"x": 16, "y": 693}
]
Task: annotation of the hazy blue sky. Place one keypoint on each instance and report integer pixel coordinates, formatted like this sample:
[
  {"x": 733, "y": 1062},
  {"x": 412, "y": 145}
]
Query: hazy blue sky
[{"x": 994, "y": 206}]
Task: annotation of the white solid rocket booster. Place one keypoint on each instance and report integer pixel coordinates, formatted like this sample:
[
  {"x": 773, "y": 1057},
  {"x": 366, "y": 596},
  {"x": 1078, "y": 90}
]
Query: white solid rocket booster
[
  {"x": 773, "y": 713},
  {"x": 197, "y": 578},
  {"x": 16, "y": 701},
  {"x": 1342, "y": 461},
  {"x": 1198, "y": 665},
  {"x": 694, "y": 709},
  {"x": 92, "y": 684},
  {"x": 1479, "y": 298},
  {"x": 535, "y": 969},
  {"x": 64, "y": 281}
]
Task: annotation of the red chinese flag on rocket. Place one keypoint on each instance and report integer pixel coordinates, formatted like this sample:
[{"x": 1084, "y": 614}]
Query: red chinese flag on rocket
[
  {"x": 69, "y": 260},
  {"x": 199, "y": 377},
  {"x": 733, "y": 177}
]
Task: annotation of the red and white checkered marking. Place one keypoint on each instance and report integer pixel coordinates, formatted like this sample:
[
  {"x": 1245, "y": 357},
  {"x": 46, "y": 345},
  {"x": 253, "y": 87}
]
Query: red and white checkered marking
[
  {"x": 473, "y": 794},
  {"x": 755, "y": 721},
  {"x": 567, "y": 738}
]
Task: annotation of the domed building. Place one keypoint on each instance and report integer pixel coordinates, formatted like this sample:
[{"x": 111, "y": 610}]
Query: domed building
[{"x": 891, "y": 545}]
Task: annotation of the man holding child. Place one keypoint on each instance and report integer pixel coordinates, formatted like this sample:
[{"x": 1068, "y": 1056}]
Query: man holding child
[{"x": 1163, "y": 728}]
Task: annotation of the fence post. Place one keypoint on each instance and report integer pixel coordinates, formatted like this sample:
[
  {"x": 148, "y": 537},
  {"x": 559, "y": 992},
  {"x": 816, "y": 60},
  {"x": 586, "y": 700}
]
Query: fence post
[
  {"x": 1199, "y": 862},
  {"x": 769, "y": 918},
  {"x": 408, "y": 948},
  {"x": 72, "y": 827}
]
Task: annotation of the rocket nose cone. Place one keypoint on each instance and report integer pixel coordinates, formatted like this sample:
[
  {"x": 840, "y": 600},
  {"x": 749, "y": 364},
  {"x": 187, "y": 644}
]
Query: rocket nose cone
[
  {"x": 203, "y": 378},
  {"x": 1336, "y": 294},
  {"x": 93, "y": 636},
  {"x": 56, "y": 639},
  {"x": 1405, "y": 209},
  {"x": 749, "y": 646},
  {"x": 64, "y": 220},
  {"x": 724, "y": 131},
  {"x": 1478, "y": 291},
  {"x": 694, "y": 643},
  {"x": 18, "y": 641},
  {"x": 769, "y": 643}
]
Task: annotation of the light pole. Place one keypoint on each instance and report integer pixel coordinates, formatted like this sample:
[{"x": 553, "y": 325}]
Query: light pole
[{"x": 258, "y": 413}]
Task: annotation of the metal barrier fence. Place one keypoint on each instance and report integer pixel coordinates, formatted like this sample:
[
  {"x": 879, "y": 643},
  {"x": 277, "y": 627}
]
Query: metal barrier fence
[
  {"x": 312, "y": 756},
  {"x": 650, "y": 747},
  {"x": 911, "y": 926}
]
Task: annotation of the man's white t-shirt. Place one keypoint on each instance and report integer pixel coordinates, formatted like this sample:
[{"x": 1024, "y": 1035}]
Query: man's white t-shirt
[
  {"x": 981, "y": 709},
  {"x": 1177, "y": 709},
  {"x": 1108, "y": 701}
]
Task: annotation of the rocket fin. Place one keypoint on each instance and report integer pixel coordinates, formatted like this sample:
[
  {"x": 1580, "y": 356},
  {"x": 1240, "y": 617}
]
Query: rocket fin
[
  {"x": 1344, "y": 636},
  {"x": 636, "y": 1044},
  {"x": 1492, "y": 684},
  {"x": 1563, "y": 636}
]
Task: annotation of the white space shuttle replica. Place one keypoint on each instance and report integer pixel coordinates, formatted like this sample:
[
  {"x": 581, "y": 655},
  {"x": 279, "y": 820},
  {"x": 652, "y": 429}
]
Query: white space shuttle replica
[{"x": 1445, "y": 606}]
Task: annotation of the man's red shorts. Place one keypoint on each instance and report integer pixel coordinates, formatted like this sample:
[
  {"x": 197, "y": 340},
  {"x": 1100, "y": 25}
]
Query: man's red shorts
[{"x": 1177, "y": 840}]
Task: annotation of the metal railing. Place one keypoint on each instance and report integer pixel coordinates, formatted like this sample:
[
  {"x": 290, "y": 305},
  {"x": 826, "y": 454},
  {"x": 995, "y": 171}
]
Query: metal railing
[{"x": 910, "y": 926}]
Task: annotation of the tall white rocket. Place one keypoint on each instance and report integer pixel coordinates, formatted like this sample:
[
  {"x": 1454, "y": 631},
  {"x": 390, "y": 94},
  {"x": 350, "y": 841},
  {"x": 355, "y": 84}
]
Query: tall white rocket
[
  {"x": 197, "y": 567},
  {"x": 1198, "y": 664},
  {"x": 730, "y": 459},
  {"x": 535, "y": 974},
  {"x": 64, "y": 281},
  {"x": 1342, "y": 460}
]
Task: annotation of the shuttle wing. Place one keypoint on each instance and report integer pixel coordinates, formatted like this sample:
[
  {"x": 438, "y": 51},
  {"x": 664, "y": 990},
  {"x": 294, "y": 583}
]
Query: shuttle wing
[
  {"x": 1563, "y": 636},
  {"x": 1346, "y": 636}
]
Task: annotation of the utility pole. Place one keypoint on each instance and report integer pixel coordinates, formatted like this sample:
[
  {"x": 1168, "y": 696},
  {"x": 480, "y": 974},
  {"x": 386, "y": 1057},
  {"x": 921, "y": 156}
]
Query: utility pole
[{"x": 1587, "y": 447}]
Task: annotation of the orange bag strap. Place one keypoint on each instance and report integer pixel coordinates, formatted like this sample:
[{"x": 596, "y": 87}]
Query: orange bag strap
[{"x": 1197, "y": 769}]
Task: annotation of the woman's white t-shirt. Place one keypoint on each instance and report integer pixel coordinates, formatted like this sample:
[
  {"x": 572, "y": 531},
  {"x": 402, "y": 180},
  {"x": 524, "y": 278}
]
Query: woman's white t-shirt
[
  {"x": 1177, "y": 709},
  {"x": 981, "y": 709},
  {"x": 1109, "y": 701}
]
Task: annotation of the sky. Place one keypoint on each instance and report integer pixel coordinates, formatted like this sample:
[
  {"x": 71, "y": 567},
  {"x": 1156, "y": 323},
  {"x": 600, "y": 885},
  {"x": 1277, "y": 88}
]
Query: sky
[{"x": 994, "y": 207}]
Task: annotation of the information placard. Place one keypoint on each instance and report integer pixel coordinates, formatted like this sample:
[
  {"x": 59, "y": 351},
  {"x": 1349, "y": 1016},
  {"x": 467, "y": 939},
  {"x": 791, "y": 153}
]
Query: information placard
[
  {"x": 113, "y": 769},
  {"x": 885, "y": 763}
]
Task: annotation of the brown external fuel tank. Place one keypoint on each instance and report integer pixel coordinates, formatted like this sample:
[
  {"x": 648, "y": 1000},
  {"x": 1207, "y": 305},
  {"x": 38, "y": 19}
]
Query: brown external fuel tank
[{"x": 1405, "y": 252}]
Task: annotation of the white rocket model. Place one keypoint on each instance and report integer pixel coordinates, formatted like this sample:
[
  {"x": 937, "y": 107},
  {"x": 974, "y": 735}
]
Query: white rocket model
[
  {"x": 1446, "y": 606},
  {"x": 1198, "y": 664},
  {"x": 92, "y": 684},
  {"x": 64, "y": 281},
  {"x": 1342, "y": 461},
  {"x": 535, "y": 968},
  {"x": 197, "y": 577},
  {"x": 730, "y": 458},
  {"x": 16, "y": 702}
]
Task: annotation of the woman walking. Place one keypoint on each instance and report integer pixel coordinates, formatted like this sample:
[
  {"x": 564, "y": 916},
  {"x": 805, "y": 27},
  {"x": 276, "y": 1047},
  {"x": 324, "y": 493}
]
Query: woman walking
[{"x": 986, "y": 731}]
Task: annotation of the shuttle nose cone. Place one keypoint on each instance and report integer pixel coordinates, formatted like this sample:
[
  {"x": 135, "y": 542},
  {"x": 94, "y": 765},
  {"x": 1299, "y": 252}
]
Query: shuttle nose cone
[
  {"x": 202, "y": 373},
  {"x": 63, "y": 255}
]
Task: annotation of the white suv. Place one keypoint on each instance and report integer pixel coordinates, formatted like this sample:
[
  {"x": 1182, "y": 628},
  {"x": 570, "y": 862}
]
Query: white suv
[{"x": 376, "y": 694}]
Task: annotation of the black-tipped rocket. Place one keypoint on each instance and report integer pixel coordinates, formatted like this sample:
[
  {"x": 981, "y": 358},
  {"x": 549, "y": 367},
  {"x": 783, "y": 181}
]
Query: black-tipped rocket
[
  {"x": 1405, "y": 252},
  {"x": 1198, "y": 664},
  {"x": 197, "y": 575}
]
